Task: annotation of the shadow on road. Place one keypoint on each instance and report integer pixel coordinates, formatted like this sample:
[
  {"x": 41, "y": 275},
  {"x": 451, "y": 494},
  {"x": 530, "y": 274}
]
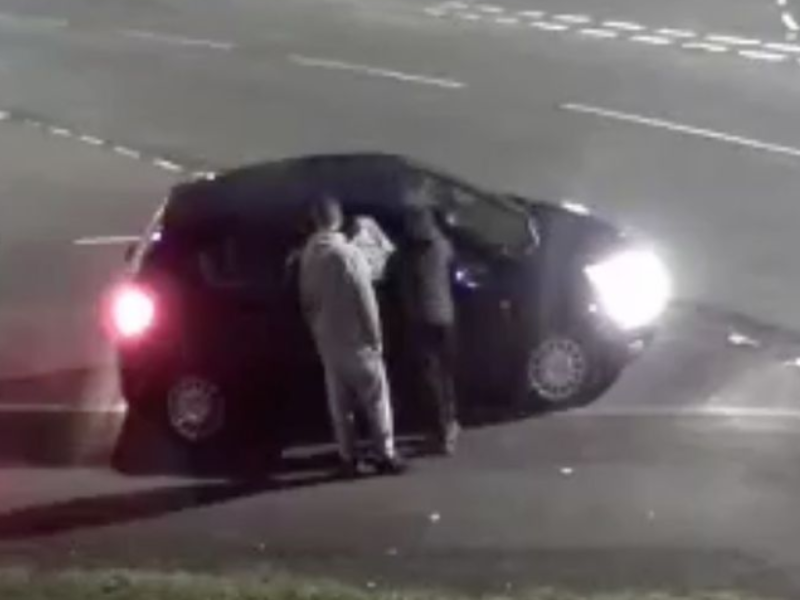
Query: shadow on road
[{"x": 119, "y": 508}]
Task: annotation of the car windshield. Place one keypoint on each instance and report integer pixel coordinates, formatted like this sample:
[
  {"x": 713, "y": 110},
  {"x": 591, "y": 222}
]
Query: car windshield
[
  {"x": 399, "y": 299},
  {"x": 489, "y": 220}
]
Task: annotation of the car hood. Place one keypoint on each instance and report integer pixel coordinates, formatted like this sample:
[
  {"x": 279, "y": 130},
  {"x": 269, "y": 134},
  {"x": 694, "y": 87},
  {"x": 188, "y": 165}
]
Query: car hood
[{"x": 570, "y": 233}]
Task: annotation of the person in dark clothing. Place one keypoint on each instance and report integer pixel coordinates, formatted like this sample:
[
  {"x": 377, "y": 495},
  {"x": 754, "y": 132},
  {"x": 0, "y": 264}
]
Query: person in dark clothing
[{"x": 422, "y": 266}]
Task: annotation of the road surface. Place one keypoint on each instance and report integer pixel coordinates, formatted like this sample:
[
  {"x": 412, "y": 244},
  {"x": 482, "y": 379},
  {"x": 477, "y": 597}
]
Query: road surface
[{"x": 677, "y": 119}]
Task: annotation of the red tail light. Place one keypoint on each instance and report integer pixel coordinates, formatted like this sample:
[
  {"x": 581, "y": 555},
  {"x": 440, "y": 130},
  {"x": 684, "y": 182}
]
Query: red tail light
[{"x": 133, "y": 311}]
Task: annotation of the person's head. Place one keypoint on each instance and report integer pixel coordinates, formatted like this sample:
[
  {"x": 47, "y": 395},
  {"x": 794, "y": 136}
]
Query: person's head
[
  {"x": 326, "y": 214},
  {"x": 351, "y": 226},
  {"x": 420, "y": 224}
]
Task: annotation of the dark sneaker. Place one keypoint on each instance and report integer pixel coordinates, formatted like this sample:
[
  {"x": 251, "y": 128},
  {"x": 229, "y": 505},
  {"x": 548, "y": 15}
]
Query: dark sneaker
[
  {"x": 350, "y": 469},
  {"x": 447, "y": 441},
  {"x": 390, "y": 465}
]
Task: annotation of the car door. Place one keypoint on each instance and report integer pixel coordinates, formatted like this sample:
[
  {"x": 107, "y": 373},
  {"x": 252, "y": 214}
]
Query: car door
[
  {"x": 249, "y": 326},
  {"x": 487, "y": 238}
]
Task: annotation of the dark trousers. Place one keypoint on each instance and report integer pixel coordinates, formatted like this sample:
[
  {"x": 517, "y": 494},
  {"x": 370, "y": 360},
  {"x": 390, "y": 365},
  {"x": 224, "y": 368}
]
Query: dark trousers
[{"x": 434, "y": 355}]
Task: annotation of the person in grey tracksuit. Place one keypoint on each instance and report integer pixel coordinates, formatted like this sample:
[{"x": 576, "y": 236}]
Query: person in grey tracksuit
[{"x": 341, "y": 308}]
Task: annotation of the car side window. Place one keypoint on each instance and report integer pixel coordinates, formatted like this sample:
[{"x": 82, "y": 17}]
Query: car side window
[
  {"x": 486, "y": 220},
  {"x": 238, "y": 262}
]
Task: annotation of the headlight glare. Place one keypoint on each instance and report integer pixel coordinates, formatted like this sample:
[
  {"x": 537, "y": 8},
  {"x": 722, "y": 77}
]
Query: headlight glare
[{"x": 633, "y": 287}]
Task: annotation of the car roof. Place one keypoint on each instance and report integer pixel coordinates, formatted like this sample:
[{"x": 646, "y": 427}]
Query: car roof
[{"x": 285, "y": 186}]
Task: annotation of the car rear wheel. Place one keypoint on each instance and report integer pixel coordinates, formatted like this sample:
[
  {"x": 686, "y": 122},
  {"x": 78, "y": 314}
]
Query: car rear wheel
[
  {"x": 206, "y": 424},
  {"x": 196, "y": 410}
]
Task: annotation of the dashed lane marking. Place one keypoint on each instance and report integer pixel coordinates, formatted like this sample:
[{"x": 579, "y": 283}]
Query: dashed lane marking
[
  {"x": 91, "y": 140},
  {"x": 782, "y": 47},
  {"x": 681, "y": 128},
  {"x": 598, "y": 33},
  {"x": 94, "y": 141},
  {"x": 129, "y": 152},
  {"x": 771, "y": 51},
  {"x": 339, "y": 65},
  {"x": 762, "y": 55},
  {"x": 177, "y": 40},
  {"x": 653, "y": 40},
  {"x": 546, "y": 26},
  {"x": 576, "y": 19},
  {"x": 167, "y": 165},
  {"x": 624, "y": 25},
  {"x": 732, "y": 40},
  {"x": 706, "y": 47},
  {"x": 677, "y": 33},
  {"x": 507, "y": 21},
  {"x": 106, "y": 240}
]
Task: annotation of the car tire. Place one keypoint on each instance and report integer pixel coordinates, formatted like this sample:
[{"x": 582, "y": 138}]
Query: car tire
[
  {"x": 208, "y": 424},
  {"x": 564, "y": 369}
]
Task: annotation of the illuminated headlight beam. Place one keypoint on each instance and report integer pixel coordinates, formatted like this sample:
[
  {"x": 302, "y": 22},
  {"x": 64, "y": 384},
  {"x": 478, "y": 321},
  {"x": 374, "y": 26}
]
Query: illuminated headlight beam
[{"x": 633, "y": 287}]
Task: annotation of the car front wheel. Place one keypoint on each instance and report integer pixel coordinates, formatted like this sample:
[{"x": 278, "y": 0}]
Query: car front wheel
[{"x": 564, "y": 370}]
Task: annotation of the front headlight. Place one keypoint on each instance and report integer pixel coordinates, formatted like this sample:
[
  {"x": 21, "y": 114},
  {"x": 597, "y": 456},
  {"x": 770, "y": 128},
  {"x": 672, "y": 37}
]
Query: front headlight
[{"x": 633, "y": 287}]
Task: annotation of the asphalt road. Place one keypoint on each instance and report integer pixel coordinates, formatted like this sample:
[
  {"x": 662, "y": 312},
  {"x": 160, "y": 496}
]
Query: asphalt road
[{"x": 673, "y": 118}]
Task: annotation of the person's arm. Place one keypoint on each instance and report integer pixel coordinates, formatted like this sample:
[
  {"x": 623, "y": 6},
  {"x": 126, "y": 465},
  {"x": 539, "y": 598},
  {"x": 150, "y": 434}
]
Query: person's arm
[{"x": 359, "y": 273}]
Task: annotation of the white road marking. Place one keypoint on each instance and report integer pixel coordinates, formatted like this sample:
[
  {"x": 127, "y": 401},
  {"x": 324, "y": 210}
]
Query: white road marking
[
  {"x": 789, "y": 21},
  {"x": 60, "y": 132},
  {"x": 653, "y": 40},
  {"x": 532, "y": 14},
  {"x": 716, "y": 48},
  {"x": 577, "y": 19},
  {"x": 129, "y": 152},
  {"x": 675, "y": 127},
  {"x": 24, "y": 407},
  {"x": 4, "y": 116},
  {"x": 598, "y": 33},
  {"x": 507, "y": 21},
  {"x": 761, "y": 55},
  {"x": 92, "y": 141},
  {"x": 490, "y": 8},
  {"x": 624, "y": 25},
  {"x": 470, "y": 17},
  {"x": 167, "y": 165},
  {"x": 781, "y": 47},
  {"x": 325, "y": 63},
  {"x": 676, "y": 33},
  {"x": 739, "y": 339},
  {"x": 708, "y": 410},
  {"x": 45, "y": 22},
  {"x": 545, "y": 26},
  {"x": 178, "y": 40},
  {"x": 781, "y": 2},
  {"x": 732, "y": 40},
  {"x": 106, "y": 240},
  {"x": 435, "y": 12}
]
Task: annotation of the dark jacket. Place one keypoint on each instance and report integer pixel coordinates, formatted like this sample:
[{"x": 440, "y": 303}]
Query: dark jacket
[{"x": 423, "y": 275}]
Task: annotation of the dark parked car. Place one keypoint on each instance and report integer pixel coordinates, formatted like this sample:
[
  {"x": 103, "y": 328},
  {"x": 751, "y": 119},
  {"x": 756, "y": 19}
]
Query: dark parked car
[{"x": 552, "y": 302}]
